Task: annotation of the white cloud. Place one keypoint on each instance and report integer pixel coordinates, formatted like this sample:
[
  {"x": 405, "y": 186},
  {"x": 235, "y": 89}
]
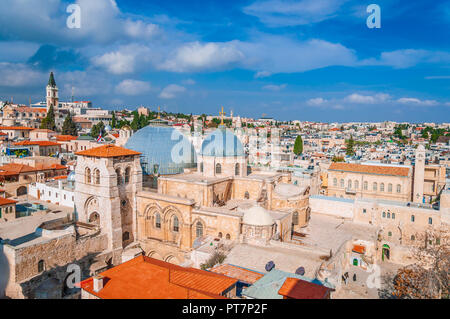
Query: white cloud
[
  {"x": 273, "y": 87},
  {"x": 171, "y": 91},
  {"x": 406, "y": 58},
  {"x": 198, "y": 56},
  {"x": 189, "y": 82},
  {"x": 133, "y": 87},
  {"x": 20, "y": 75},
  {"x": 125, "y": 60},
  {"x": 437, "y": 77},
  {"x": 262, "y": 74},
  {"x": 316, "y": 101},
  {"x": 279, "y": 13},
  {"x": 415, "y": 101},
  {"x": 367, "y": 99}
]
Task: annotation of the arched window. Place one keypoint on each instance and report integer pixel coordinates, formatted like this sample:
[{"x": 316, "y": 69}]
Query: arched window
[
  {"x": 119, "y": 176},
  {"x": 157, "y": 220},
  {"x": 334, "y": 181},
  {"x": 228, "y": 236},
  {"x": 218, "y": 168},
  {"x": 413, "y": 237},
  {"x": 295, "y": 218},
  {"x": 220, "y": 235},
  {"x": 125, "y": 236},
  {"x": 97, "y": 177},
  {"x": 342, "y": 183},
  {"x": 236, "y": 169},
  {"x": 127, "y": 175},
  {"x": 199, "y": 230},
  {"x": 412, "y": 218},
  {"x": 390, "y": 234},
  {"x": 247, "y": 195},
  {"x": 382, "y": 187},
  {"x": 399, "y": 188},
  {"x": 349, "y": 184},
  {"x": 201, "y": 167},
  {"x": 356, "y": 184},
  {"x": 87, "y": 176},
  {"x": 384, "y": 214},
  {"x": 375, "y": 186},
  {"x": 41, "y": 266},
  {"x": 390, "y": 188},
  {"x": 176, "y": 224},
  {"x": 393, "y": 215},
  {"x": 430, "y": 220},
  {"x": 366, "y": 186},
  {"x": 388, "y": 215}
]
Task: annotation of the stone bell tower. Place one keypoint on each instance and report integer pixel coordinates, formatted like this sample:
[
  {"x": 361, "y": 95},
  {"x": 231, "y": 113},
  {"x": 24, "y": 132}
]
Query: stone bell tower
[
  {"x": 419, "y": 174},
  {"x": 107, "y": 179},
  {"x": 52, "y": 97}
]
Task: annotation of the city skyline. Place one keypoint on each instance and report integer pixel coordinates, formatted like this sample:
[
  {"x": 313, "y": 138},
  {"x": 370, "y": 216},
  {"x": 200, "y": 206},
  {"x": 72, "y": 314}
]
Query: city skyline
[{"x": 289, "y": 60}]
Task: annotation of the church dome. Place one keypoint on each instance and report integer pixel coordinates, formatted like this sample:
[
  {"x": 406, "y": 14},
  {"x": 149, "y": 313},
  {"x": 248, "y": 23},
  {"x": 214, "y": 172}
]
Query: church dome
[
  {"x": 165, "y": 150},
  {"x": 257, "y": 216},
  {"x": 108, "y": 128},
  {"x": 222, "y": 143}
]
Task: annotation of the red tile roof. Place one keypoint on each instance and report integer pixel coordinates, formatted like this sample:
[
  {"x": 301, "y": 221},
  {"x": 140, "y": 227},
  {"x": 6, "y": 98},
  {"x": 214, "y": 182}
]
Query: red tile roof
[
  {"x": 108, "y": 151},
  {"x": 65, "y": 138},
  {"x": 31, "y": 109},
  {"x": 6, "y": 201},
  {"x": 40, "y": 143},
  {"x": 301, "y": 289},
  {"x": 370, "y": 169},
  {"x": 242, "y": 274},
  {"x": 15, "y": 168},
  {"x": 16, "y": 128},
  {"x": 149, "y": 278}
]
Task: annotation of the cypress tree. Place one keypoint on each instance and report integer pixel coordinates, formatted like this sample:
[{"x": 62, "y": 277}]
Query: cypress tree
[
  {"x": 49, "y": 121},
  {"x": 298, "y": 145},
  {"x": 69, "y": 127}
]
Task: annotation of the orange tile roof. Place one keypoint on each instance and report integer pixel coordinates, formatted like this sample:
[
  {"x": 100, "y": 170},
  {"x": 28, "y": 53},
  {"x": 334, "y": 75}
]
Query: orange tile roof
[
  {"x": 6, "y": 201},
  {"x": 14, "y": 168},
  {"x": 359, "y": 249},
  {"x": 43, "y": 130},
  {"x": 15, "y": 128},
  {"x": 60, "y": 177},
  {"x": 64, "y": 138},
  {"x": 149, "y": 278},
  {"x": 107, "y": 151},
  {"x": 370, "y": 169},
  {"x": 31, "y": 109},
  {"x": 301, "y": 289},
  {"x": 242, "y": 274},
  {"x": 40, "y": 143}
]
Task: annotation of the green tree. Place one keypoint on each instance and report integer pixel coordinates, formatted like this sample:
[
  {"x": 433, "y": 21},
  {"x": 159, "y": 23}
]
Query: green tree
[
  {"x": 350, "y": 143},
  {"x": 298, "y": 145},
  {"x": 113, "y": 120},
  {"x": 97, "y": 129},
  {"x": 49, "y": 121},
  {"x": 69, "y": 127}
]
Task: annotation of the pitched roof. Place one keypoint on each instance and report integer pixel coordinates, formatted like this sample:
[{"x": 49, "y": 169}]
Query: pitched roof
[
  {"x": 240, "y": 273},
  {"x": 40, "y": 143},
  {"x": 45, "y": 130},
  {"x": 14, "y": 168},
  {"x": 370, "y": 169},
  {"x": 149, "y": 278},
  {"x": 107, "y": 151},
  {"x": 16, "y": 128},
  {"x": 300, "y": 289},
  {"x": 65, "y": 138},
  {"x": 6, "y": 201},
  {"x": 28, "y": 109}
]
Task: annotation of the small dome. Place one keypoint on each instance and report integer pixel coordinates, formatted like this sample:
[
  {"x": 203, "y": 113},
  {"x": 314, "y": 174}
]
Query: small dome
[
  {"x": 71, "y": 177},
  {"x": 108, "y": 128},
  {"x": 222, "y": 143},
  {"x": 288, "y": 190},
  {"x": 257, "y": 216}
]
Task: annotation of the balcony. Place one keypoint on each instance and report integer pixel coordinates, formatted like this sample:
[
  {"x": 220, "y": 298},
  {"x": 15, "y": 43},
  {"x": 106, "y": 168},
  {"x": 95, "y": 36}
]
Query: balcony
[{"x": 350, "y": 191}]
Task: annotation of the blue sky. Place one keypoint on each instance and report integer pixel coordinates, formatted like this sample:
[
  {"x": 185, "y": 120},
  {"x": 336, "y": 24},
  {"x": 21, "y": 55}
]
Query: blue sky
[{"x": 310, "y": 60}]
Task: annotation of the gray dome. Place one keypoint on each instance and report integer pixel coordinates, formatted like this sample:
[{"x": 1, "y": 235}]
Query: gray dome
[
  {"x": 164, "y": 148},
  {"x": 257, "y": 216},
  {"x": 222, "y": 143},
  {"x": 108, "y": 128}
]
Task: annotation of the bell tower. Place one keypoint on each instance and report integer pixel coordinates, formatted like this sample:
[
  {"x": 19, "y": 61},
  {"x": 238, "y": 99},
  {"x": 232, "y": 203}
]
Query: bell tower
[
  {"x": 419, "y": 174},
  {"x": 52, "y": 93}
]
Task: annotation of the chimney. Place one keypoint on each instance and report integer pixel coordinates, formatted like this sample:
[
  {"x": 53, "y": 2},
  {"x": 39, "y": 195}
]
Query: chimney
[{"x": 98, "y": 283}]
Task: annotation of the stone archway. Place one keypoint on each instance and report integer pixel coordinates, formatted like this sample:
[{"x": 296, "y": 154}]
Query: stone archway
[
  {"x": 385, "y": 252},
  {"x": 154, "y": 254},
  {"x": 94, "y": 218},
  {"x": 22, "y": 190},
  {"x": 171, "y": 259}
]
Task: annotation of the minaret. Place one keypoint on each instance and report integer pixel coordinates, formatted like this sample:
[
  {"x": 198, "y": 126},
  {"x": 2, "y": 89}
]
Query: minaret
[
  {"x": 419, "y": 174},
  {"x": 52, "y": 93}
]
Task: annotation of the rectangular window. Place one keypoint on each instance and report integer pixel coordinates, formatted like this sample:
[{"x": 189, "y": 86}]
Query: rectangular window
[{"x": 364, "y": 211}]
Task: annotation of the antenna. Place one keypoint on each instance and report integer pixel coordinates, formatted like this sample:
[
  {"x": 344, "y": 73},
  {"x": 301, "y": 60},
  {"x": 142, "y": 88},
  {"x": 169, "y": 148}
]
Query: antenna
[{"x": 73, "y": 90}]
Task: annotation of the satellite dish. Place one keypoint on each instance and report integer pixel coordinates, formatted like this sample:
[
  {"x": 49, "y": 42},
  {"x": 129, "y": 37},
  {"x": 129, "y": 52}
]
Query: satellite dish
[
  {"x": 300, "y": 271},
  {"x": 270, "y": 265}
]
